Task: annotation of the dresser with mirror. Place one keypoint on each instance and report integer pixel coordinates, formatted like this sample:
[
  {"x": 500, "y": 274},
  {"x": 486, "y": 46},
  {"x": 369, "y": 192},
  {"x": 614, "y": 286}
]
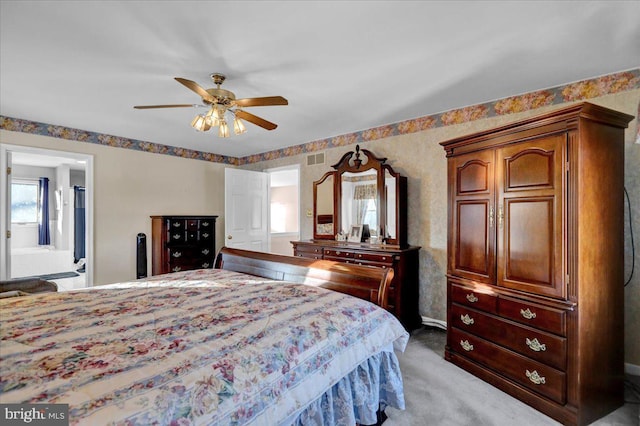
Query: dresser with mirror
[{"x": 360, "y": 217}]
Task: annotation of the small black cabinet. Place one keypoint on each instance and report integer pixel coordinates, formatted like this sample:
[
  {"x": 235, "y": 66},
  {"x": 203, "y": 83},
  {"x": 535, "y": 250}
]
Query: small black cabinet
[{"x": 180, "y": 243}]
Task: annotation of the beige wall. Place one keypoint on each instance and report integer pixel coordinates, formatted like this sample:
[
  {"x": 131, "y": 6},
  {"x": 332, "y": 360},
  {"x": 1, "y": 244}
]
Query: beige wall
[
  {"x": 130, "y": 186},
  {"x": 420, "y": 157}
]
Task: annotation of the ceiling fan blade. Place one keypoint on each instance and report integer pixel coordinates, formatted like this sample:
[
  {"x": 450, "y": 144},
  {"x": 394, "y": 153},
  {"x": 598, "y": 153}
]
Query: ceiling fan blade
[
  {"x": 196, "y": 88},
  {"x": 255, "y": 120},
  {"x": 266, "y": 101},
  {"x": 166, "y": 106}
]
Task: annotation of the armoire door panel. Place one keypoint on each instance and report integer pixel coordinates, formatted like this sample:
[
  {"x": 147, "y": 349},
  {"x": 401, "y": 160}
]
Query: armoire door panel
[
  {"x": 530, "y": 223},
  {"x": 529, "y": 169},
  {"x": 529, "y": 241},
  {"x": 473, "y": 178},
  {"x": 473, "y": 250}
]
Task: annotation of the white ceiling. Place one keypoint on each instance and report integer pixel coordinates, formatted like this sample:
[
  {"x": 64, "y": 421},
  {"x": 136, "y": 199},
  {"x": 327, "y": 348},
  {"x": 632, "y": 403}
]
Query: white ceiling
[{"x": 344, "y": 66}]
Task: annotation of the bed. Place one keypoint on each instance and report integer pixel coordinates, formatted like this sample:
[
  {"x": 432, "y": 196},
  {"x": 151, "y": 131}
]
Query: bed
[{"x": 261, "y": 339}]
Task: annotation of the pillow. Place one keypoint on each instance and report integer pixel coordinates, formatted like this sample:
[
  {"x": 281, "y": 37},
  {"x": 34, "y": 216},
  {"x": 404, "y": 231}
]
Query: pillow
[{"x": 13, "y": 293}]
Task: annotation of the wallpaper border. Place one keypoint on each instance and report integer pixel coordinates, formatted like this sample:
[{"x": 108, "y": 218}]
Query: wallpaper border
[{"x": 582, "y": 90}]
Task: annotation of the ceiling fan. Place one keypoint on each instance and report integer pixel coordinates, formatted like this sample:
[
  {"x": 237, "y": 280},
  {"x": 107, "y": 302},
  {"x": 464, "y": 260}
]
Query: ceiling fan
[{"x": 223, "y": 105}]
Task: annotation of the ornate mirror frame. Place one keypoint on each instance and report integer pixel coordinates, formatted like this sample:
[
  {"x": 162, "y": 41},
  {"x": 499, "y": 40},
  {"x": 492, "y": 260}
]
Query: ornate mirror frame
[{"x": 387, "y": 180}]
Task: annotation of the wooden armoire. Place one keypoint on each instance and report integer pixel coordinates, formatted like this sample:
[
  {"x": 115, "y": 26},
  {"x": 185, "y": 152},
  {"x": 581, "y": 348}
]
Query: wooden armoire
[{"x": 535, "y": 260}]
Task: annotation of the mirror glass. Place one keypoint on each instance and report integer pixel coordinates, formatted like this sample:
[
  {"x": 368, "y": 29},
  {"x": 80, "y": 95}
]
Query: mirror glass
[
  {"x": 324, "y": 207},
  {"x": 359, "y": 203},
  {"x": 390, "y": 185}
]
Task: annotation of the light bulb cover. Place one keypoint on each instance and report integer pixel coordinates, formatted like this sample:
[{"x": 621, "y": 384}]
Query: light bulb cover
[
  {"x": 199, "y": 123},
  {"x": 238, "y": 126},
  {"x": 223, "y": 130}
]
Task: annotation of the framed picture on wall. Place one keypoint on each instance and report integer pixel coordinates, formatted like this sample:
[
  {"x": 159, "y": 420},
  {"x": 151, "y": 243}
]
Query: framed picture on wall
[{"x": 355, "y": 234}]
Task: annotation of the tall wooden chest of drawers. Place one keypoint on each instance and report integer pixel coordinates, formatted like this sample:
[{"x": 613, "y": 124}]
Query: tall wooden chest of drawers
[
  {"x": 181, "y": 243},
  {"x": 403, "y": 291},
  {"x": 535, "y": 260}
]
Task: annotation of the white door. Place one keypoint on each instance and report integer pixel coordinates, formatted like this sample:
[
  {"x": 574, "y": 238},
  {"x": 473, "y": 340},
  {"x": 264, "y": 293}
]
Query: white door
[{"x": 246, "y": 213}]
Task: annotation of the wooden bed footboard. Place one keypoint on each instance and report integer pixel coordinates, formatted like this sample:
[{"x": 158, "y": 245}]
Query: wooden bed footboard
[{"x": 366, "y": 282}]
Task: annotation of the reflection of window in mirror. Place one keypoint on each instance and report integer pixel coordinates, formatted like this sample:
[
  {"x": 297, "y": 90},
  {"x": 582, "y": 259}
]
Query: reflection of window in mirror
[{"x": 359, "y": 199}]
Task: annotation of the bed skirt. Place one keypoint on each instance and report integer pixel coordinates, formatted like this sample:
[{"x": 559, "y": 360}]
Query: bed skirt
[{"x": 358, "y": 397}]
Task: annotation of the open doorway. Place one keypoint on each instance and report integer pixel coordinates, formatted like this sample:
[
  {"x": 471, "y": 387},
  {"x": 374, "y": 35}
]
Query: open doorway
[
  {"x": 47, "y": 216},
  {"x": 284, "y": 196}
]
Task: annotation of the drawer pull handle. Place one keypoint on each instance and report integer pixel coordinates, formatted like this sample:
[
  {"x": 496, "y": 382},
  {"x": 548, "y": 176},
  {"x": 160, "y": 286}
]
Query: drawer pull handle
[
  {"x": 177, "y": 269},
  {"x": 176, "y": 236},
  {"x": 536, "y": 346},
  {"x": 527, "y": 314},
  {"x": 205, "y": 251},
  {"x": 205, "y": 235},
  {"x": 338, "y": 253},
  {"x": 535, "y": 377},
  {"x": 177, "y": 254},
  {"x": 205, "y": 223},
  {"x": 472, "y": 298},
  {"x": 466, "y": 319},
  {"x": 176, "y": 224},
  {"x": 466, "y": 345},
  {"x": 205, "y": 265}
]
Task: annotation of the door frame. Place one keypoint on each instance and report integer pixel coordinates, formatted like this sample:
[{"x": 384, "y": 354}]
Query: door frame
[
  {"x": 5, "y": 244},
  {"x": 297, "y": 168}
]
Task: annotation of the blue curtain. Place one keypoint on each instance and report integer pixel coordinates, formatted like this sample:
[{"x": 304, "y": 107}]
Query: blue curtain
[
  {"x": 78, "y": 220},
  {"x": 44, "y": 236}
]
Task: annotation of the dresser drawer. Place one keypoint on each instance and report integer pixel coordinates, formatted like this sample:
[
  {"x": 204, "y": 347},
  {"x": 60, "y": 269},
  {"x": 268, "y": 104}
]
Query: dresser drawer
[
  {"x": 375, "y": 264},
  {"x": 537, "y": 377},
  {"x": 189, "y": 264},
  {"x": 308, "y": 252},
  {"x": 480, "y": 300},
  {"x": 205, "y": 235},
  {"x": 538, "y": 316},
  {"x": 382, "y": 258},
  {"x": 333, "y": 254},
  {"x": 535, "y": 344},
  {"x": 206, "y": 224}
]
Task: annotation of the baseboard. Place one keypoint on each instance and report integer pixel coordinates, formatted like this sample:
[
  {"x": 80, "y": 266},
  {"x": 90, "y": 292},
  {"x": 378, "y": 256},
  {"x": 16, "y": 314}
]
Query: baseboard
[
  {"x": 632, "y": 369},
  {"x": 434, "y": 322}
]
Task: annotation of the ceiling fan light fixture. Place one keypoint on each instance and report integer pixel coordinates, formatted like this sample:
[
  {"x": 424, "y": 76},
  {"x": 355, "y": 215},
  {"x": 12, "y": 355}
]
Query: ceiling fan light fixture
[
  {"x": 224, "y": 106},
  {"x": 223, "y": 130},
  {"x": 238, "y": 126}
]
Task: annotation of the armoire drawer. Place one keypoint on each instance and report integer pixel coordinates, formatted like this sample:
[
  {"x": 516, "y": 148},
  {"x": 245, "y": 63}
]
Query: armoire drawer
[
  {"x": 540, "y": 378},
  {"x": 538, "y": 345},
  {"x": 308, "y": 252},
  {"x": 484, "y": 301},
  {"x": 534, "y": 315}
]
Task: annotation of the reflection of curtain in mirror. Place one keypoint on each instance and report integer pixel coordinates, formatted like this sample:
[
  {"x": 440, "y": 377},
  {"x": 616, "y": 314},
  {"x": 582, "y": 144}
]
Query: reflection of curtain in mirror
[
  {"x": 362, "y": 194},
  {"x": 79, "y": 221},
  {"x": 44, "y": 236}
]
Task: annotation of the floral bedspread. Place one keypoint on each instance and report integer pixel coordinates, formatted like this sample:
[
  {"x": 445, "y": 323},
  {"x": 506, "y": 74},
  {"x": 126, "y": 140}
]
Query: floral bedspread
[{"x": 197, "y": 347}]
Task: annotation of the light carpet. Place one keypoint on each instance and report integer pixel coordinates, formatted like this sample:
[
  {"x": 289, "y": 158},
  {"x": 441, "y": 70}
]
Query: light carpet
[{"x": 440, "y": 393}]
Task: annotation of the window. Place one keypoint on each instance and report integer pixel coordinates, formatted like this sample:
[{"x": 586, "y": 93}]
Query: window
[{"x": 24, "y": 201}]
